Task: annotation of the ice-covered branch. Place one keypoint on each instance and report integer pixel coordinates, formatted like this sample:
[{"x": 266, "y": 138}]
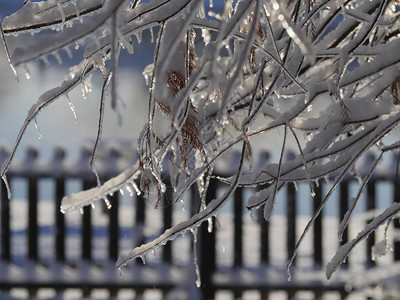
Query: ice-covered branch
[
  {"x": 344, "y": 250},
  {"x": 327, "y": 71}
]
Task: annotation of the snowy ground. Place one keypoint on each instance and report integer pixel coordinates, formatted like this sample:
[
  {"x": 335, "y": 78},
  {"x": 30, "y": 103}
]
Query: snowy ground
[{"x": 356, "y": 277}]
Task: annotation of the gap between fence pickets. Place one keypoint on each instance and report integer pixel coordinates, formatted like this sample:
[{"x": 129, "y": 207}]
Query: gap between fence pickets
[{"x": 344, "y": 250}]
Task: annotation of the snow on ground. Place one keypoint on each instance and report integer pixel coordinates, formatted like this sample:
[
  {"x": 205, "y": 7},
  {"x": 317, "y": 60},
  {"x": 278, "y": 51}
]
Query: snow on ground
[{"x": 181, "y": 246}]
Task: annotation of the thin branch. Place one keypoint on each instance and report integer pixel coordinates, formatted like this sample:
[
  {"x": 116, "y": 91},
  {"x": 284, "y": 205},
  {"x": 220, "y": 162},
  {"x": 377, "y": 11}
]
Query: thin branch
[
  {"x": 271, "y": 201},
  {"x": 44, "y": 100},
  {"x": 106, "y": 82},
  {"x": 304, "y": 161}
]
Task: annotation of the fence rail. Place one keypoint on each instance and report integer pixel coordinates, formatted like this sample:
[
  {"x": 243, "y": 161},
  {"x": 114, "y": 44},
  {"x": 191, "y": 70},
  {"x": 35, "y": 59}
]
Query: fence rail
[{"x": 32, "y": 272}]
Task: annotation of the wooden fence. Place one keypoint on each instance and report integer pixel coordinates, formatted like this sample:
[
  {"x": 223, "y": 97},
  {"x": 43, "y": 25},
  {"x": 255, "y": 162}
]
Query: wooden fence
[{"x": 59, "y": 273}]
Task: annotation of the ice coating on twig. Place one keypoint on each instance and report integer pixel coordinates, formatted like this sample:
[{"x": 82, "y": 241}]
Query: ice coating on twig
[{"x": 344, "y": 250}]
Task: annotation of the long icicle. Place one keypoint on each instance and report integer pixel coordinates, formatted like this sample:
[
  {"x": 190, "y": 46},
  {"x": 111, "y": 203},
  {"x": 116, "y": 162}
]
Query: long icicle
[{"x": 8, "y": 53}]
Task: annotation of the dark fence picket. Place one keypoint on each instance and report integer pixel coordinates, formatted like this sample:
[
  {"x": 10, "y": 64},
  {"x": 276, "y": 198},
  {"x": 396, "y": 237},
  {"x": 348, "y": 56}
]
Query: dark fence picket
[
  {"x": 86, "y": 239},
  {"x": 140, "y": 224},
  {"x": 5, "y": 233},
  {"x": 396, "y": 199},
  {"x": 167, "y": 220},
  {"x": 59, "y": 179},
  {"x": 370, "y": 206},
  {"x": 264, "y": 229},
  {"x": 33, "y": 232},
  {"x": 87, "y": 226},
  {"x": 238, "y": 233},
  {"x": 317, "y": 228},
  {"x": 5, "y": 224},
  {"x": 238, "y": 228},
  {"x": 207, "y": 253},
  {"x": 264, "y": 225},
  {"x": 113, "y": 227},
  {"x": 264, "y": 237},
  {"x": 60, "y": 220},
  {"x": 291, "y": 220},
  {"x": 264, "y": 246}
]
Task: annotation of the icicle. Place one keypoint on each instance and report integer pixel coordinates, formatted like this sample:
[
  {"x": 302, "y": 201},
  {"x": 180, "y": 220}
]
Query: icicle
[
  {"x": 7, "y": 186},
  {"x": 312, "y": 192},
  {"x": 154, "y": 252},
  {"x": 326, "y": 178},
  {"x": 143, "y": 259},
  {"x": 92, "y": 205},
  {"x": 309, "y": 108},
  {"x": 45, "y": 60},
  {"x": 139, "y": 36},
  {"x": 121, "y": 191},
  {"x": 27, "y": 73},
  {"x": 289, "y": 276},
  {"x": 316, "y": 183},
  {"x": 192, "y": 230},
  {"x": 359, "y": 179},
  {"x": 76, "y": 46},
  {"x": 195, "y": 260},
  {"x": 183, "y": 205},
  {"x": 81, "y": 210},
  {"x": 38, "y": 130},
  {"x": 200, "y": 185},
  {"x": 151, "y": 35},
  {"x": 295, "y": 186},
  {"x": 228, "y": 48},
  {"x": 129, "y": 189},
  {"x": 72, "y": 107},
  {"x": 163, "y": 187},
  {"x": 137, "y": 190},
  {"x": 58, "y": 58},
  {"x": 61, "y": 10},
  {"x": 252, "y": 216},
  {"x": 86, "y": 87},
  {"x": 108, "y": 204},
  {"x": 379, "y": 144},
  {"x": 73, "y": 2},
  {"x": 8, "y": 53},
  {"x": 205, "y": 34},
  {"x": 121, "y": 273},
  {"x": 210, "y": 225},
  {"x": 147, "y": 77},
  {"x": 68, "y": 51}
]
